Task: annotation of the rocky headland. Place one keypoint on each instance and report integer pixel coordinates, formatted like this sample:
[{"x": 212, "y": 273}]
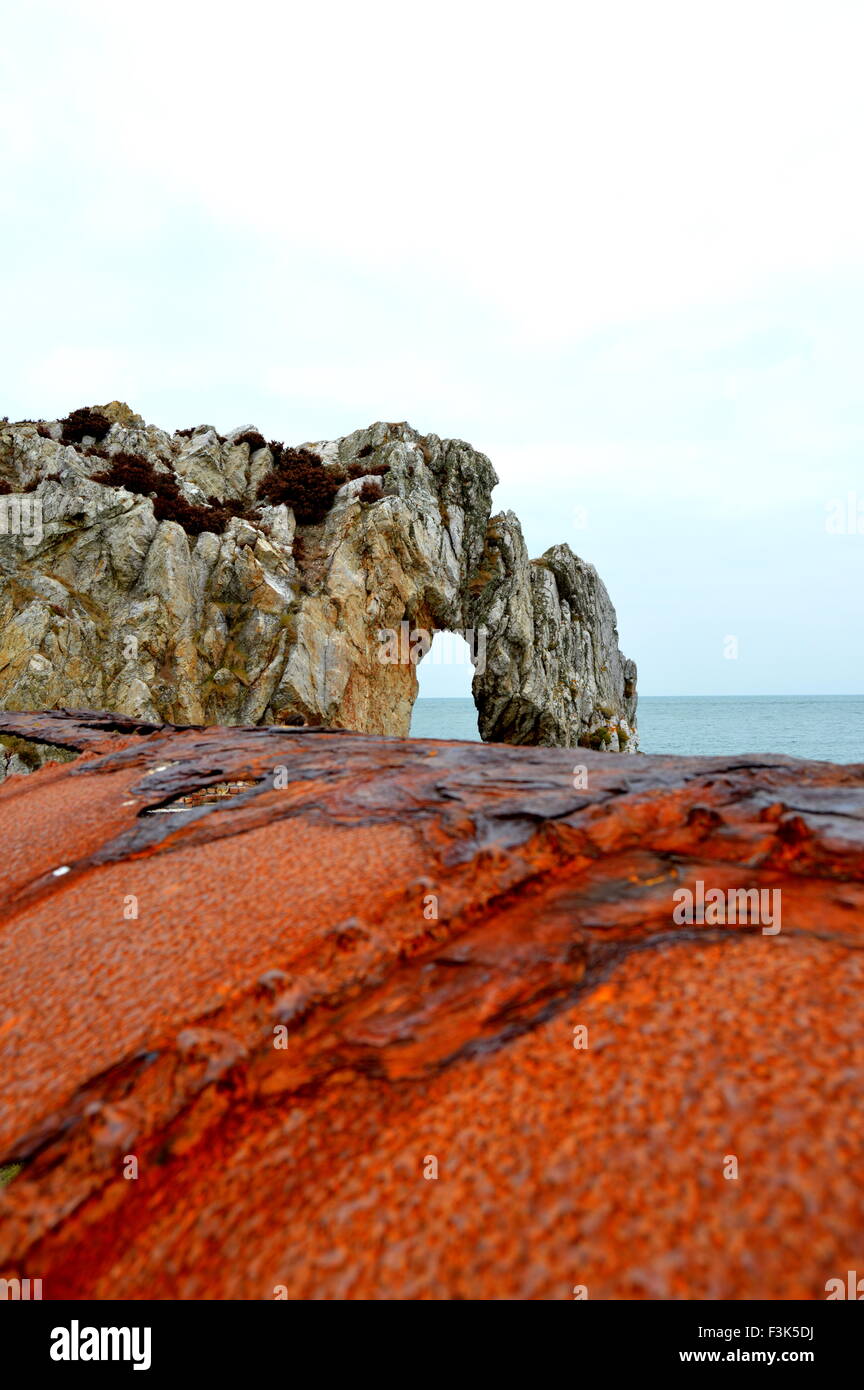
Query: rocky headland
[{"x": 204, "y": 579}]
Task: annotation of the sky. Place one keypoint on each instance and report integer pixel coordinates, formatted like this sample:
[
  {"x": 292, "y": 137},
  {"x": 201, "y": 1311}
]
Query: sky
[{"x": 619, "y": 249}]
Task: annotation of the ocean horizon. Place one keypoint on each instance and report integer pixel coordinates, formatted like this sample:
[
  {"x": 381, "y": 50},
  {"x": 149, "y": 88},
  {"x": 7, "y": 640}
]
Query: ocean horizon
[{"x": 828, "y": 728}]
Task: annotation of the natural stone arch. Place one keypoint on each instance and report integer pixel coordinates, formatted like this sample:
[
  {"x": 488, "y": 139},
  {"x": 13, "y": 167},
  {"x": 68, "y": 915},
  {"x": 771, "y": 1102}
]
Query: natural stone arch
[{"x": 263, "y": 620}]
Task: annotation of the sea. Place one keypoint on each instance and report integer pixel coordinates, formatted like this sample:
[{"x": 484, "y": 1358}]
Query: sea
[{"x": 826, "y": 727}]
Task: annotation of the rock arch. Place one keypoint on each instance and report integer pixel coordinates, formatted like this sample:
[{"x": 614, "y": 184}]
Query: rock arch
[{"x": 260, "y": 619}]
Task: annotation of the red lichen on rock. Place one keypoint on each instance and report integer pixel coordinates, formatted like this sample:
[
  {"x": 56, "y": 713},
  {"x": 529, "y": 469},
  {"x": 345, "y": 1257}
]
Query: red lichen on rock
[{"x": 332, "y": 1018}]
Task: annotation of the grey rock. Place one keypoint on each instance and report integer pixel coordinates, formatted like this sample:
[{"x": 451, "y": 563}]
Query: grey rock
[{"x": 268, "y": 621}]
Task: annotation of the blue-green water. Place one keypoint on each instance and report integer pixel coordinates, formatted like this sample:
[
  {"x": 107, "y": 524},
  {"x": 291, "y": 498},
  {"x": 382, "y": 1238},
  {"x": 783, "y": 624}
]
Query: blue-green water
[{"x": 830, "y": 727}]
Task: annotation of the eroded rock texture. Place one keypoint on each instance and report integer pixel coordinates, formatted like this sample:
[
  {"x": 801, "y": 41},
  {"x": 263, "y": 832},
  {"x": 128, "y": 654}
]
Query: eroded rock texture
[
  {"x": 267, "y": 617},
  {"x": 425, "y": 926}
]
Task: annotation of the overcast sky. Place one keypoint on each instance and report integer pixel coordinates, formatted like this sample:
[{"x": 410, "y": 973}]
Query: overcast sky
[{"x": 619, "y": 248}]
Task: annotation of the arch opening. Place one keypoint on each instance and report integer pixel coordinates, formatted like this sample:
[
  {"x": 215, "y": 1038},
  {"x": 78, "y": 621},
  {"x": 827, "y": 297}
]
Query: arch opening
[{"x": 445, "y": 707}]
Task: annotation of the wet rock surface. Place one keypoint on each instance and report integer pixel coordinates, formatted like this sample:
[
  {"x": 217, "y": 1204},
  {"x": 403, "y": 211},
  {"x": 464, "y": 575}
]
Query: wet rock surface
[
  {"x": 160, "y": 578},
  {"x": 332, "y": 1018}
]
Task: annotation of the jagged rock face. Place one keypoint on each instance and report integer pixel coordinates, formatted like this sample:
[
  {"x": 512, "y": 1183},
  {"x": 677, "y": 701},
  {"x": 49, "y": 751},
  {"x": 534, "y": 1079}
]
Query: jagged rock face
[
  {"x": 264, "y": 620},
  {"x": 554, "y": 666}
]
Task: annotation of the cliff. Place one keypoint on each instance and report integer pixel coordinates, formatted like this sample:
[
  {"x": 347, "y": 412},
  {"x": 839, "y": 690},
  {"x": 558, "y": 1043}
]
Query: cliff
[
  {"x": 207, "y": 579},
  {"x": 410, "y": 1019}
]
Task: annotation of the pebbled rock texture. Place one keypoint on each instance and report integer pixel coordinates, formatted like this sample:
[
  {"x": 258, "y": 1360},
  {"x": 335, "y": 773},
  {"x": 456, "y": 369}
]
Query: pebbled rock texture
[
  {"x": 260, "y": 615},
  {"x": 425, "y": 926}
]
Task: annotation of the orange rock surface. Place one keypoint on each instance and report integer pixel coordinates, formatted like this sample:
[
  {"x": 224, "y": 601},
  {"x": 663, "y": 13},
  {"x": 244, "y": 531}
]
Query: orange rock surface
[{"x": 291, "y": 1009}]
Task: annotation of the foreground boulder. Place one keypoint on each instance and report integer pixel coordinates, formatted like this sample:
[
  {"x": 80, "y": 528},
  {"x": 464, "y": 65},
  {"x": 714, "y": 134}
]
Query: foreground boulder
[
  {"x": 209, "y": 579},
  {"x": 415, "y": 1019}
]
